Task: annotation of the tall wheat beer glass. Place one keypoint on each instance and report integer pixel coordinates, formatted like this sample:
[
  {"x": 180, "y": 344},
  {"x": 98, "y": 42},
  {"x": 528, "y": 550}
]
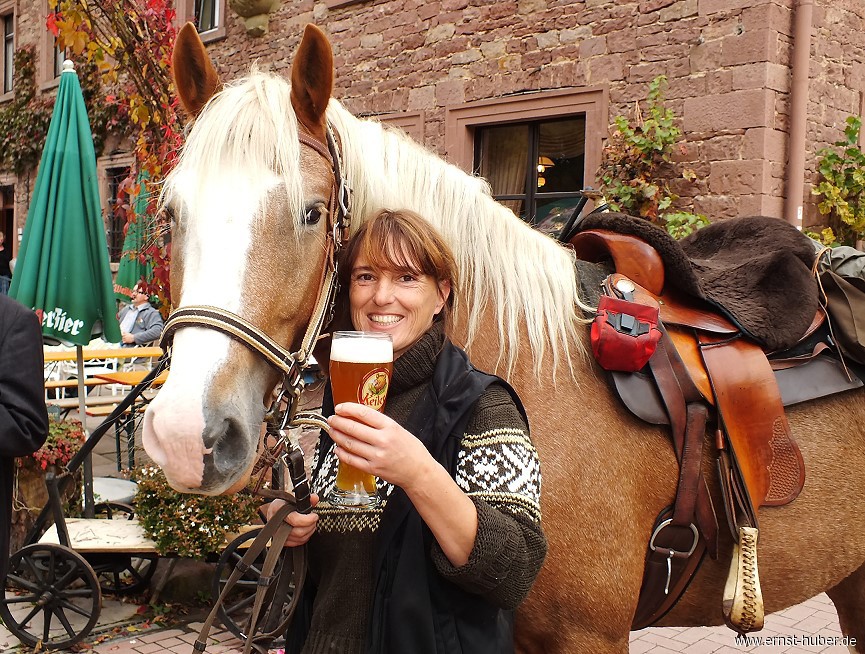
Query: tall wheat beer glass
[{"x": 360, "y": 368}]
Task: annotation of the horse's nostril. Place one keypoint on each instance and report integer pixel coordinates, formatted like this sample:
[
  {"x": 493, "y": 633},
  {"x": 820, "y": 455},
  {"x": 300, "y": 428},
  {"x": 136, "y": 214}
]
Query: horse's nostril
[{"x": 228, "y": 445}]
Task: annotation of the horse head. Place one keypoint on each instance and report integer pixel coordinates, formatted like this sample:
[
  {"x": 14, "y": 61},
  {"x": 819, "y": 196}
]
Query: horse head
[{"x": 251, "y": 202}]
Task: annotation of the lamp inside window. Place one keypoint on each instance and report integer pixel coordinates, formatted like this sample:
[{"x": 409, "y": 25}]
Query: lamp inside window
[{"x": 543, "y": 164}]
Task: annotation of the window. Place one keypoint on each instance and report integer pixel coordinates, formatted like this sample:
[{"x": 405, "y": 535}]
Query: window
[
  {"x": 537, "y": 150},
  {"x": 58, "y": 59},
  {"x": 116, "y": 219},
  {"x": 206, "y": 15},
  {"x": 8, "y": 51},
  {"x": 534, "y": 168}
]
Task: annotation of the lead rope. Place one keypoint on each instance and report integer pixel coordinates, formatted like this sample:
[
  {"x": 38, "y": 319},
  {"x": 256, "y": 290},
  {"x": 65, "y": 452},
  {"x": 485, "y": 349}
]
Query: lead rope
[{"x": 275, "y": 532}]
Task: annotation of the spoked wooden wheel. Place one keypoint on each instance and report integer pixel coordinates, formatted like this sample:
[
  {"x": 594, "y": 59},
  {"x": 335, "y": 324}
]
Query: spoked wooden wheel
[
  {"x": 235, "y": 611},
  {"x": 121, "y": 573},
  {"x": 55, "y": 599}
]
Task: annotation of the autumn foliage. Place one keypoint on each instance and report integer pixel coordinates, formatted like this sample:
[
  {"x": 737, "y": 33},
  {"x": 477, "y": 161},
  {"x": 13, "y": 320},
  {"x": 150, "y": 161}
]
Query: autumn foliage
[{"x": 130, "y": 43}]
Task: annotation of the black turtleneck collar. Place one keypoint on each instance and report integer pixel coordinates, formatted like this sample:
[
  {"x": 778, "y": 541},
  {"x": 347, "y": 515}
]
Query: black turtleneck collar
[{"x": 417, "y": 364}]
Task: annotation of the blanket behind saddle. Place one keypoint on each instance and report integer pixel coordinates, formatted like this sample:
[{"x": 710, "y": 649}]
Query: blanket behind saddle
[{"x": 756, "y": 270}]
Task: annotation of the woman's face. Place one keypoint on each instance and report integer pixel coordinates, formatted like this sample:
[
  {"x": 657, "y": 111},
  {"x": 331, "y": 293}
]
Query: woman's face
[{"x": 396, "y": 303}]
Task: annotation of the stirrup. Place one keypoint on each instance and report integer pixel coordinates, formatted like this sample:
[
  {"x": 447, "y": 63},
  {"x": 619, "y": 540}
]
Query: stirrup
[{"x": 743, "y": 600}]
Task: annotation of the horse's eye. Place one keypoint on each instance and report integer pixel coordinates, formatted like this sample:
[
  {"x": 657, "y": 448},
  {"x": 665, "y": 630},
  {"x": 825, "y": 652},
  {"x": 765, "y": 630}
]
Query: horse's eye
[{"x": 313, "y": 214}]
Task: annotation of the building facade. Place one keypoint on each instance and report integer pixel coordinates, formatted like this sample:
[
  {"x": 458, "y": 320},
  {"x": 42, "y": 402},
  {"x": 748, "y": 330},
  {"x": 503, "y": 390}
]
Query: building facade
[{"x": 523, "y": 91}]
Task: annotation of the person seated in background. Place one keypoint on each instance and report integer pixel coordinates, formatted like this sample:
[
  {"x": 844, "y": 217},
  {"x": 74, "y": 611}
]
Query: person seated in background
[{"x": 140, "y": 322}]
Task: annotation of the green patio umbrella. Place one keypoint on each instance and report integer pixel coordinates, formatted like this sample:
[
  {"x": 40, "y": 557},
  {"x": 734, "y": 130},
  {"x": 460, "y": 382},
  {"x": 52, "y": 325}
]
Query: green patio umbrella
[
  {"x": 131, "y": 270},
  {"x": 63, "y": 271}
]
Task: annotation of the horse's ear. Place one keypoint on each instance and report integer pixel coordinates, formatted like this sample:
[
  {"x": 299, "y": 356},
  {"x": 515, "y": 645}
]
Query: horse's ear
[
  {"x": 312, "y": 78},
  {"x": 194, "y": 75}
]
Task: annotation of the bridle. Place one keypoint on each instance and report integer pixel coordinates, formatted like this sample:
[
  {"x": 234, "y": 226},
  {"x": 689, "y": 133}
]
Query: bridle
[
  {"x": 280, "y": 570},
  {"x": 290, "y": 364}
]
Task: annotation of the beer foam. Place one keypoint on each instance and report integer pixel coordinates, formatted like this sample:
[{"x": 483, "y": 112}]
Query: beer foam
[{"x": 361, "y": 350}]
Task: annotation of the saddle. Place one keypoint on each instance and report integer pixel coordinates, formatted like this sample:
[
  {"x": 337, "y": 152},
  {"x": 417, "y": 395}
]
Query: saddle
[{"x": 742, "y": 334}]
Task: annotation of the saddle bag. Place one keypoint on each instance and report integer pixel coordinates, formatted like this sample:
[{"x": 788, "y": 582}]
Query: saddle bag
[{"x": 624, "y": 334}]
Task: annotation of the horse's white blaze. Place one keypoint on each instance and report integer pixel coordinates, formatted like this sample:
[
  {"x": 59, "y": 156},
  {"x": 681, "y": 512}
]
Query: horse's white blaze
[
  {"x": 219, "y": 235},
  {"x": 174, "y": 423},
  {"x": 215, "y": 258}
]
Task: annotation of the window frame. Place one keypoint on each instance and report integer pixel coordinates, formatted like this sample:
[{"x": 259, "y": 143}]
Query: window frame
[
  {"x": 185, "y": 10},
  {"x": 410, "y": 122},
  {"x": 462, "y": 122},
  {"x": 7, "y": 9}
]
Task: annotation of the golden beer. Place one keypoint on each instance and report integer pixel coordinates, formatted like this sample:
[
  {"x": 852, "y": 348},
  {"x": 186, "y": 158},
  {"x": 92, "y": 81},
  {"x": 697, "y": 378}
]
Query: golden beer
[{"x": 360, "y": 368}]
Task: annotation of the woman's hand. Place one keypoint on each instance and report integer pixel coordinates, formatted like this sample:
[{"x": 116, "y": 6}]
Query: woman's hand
[
  {"x": 303, "y": 523},
  {"x": 373, "y": 442}
]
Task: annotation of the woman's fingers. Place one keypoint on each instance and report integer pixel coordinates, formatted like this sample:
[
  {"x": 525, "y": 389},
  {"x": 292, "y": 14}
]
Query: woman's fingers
[{"x": 303, "y": 524}]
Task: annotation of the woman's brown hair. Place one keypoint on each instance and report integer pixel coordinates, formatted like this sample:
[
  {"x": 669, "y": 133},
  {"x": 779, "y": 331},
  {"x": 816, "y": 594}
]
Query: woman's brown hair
[{"x": 404, "y": 241}]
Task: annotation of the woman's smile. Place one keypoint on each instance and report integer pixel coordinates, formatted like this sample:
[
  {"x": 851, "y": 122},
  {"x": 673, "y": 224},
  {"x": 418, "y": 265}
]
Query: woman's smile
[{"x": 401, "y": 303}]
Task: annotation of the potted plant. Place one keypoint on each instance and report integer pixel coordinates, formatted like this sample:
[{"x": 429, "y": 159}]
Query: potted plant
[
  {"x": 30, "y": 495},
  {"x": 841, "y": 190}
]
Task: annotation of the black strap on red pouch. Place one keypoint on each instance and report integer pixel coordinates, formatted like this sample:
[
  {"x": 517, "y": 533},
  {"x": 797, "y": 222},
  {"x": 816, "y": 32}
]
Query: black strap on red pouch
[{"x": 624, "y": 334}]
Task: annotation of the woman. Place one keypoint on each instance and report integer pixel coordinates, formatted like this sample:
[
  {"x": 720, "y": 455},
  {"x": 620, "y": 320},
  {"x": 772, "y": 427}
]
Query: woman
[{"x": 458, "y": 542}]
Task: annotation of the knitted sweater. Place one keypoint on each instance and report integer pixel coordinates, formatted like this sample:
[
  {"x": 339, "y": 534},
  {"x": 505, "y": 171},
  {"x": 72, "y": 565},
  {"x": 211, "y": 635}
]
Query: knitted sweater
[{"x": 507, "y": 498}]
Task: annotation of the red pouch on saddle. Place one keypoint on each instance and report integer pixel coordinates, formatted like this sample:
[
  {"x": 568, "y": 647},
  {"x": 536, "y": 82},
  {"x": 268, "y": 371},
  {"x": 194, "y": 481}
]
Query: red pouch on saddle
[{"x": 624, "y": 334}]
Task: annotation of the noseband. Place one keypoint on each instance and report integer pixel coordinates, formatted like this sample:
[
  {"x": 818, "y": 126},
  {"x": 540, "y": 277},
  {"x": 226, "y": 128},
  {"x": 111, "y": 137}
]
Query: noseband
[{"x": 290, "y": 364}]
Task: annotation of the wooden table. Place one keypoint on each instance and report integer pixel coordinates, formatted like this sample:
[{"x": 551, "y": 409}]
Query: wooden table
[
  {"x": 91, "y": 353},
  {"x": 131, "y": 377}
]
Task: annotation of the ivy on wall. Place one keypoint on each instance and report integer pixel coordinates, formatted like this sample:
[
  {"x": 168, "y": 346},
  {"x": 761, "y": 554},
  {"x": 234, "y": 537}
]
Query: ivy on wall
[{"x": 24, "y": 120}]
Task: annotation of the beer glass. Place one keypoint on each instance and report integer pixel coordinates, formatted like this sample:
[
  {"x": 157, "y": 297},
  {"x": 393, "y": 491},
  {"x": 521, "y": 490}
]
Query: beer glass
[{"x": 360, "y": 370}]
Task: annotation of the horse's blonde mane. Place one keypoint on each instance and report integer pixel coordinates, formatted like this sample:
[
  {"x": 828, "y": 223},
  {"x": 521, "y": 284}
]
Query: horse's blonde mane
[
  {"x": 524, "y": 276},
  {"x": 250, "y": 127}
]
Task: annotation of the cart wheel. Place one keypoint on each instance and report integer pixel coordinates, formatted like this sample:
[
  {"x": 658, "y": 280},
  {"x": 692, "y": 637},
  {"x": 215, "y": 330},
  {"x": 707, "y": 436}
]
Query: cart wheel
[
  {"x": 234, "y": 612},
  {"x": 55, "y": 599},
  {"x": 121, "y": 574},
  {"x": 114, "y": 511}
]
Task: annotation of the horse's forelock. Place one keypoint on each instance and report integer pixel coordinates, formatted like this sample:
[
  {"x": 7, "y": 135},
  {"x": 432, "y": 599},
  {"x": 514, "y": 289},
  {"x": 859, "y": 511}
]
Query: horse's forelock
[
  {"x": 249, "y": 129},
  {"x": 528, "y": 278}
]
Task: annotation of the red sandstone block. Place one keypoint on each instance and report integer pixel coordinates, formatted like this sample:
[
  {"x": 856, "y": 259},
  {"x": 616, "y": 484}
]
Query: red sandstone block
[
  {"x": 738, "y": 177},
  {"x": 764, "y": 143},
  {"x": 647, "y": 6},
  {"x": 606, "y": 69},
  {"x": 749, "y": 47},
  {"x": 735, "y": 110},
  {"x": 715, "y": 6}
]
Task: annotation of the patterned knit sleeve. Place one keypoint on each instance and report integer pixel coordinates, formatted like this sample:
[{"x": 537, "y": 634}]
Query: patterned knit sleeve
[{"x": 499, "y": 470}]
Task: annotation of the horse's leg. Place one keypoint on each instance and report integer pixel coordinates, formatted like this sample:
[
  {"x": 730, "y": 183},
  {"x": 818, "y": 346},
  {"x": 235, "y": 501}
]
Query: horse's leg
[{"x": 849, "y": 599}]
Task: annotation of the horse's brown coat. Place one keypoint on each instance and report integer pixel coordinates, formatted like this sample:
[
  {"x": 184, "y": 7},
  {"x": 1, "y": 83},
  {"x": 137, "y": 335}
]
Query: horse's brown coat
[{"x": 606, "y": 476}]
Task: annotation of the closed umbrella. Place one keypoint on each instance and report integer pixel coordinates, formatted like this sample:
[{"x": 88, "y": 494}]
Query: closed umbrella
[
  {"x": 131, "y": 269},
  {"x": 63, "y": 271}
]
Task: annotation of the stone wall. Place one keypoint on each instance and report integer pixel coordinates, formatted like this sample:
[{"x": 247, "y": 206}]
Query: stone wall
[{"x": 727, "y": 62}]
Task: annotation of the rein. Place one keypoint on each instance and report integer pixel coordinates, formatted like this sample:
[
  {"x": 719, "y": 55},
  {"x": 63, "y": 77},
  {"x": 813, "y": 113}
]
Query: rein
[{"x": 281, "y": 573}]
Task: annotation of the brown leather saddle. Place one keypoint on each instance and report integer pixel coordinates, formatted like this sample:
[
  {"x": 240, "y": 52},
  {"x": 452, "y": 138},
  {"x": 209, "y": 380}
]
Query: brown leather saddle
[{"x": 730, "y": 358}]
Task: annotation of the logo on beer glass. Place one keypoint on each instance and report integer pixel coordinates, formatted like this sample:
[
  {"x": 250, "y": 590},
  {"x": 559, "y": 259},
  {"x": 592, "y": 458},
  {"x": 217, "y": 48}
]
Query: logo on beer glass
[{"x": 373, "y": 388}]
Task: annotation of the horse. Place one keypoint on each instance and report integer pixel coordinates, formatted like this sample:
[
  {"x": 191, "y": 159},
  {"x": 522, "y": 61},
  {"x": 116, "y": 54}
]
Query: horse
[{"x": 249, "y": 202}]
